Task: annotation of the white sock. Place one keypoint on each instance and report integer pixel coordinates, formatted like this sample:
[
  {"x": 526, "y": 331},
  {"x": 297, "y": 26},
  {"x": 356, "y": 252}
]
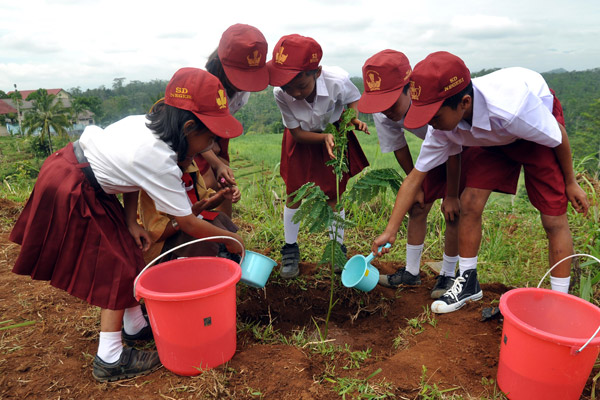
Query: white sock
[
  {"x": 449, "y": 266},
  {"x": 110, "y": 346},
  {"x": 290, "y": 229},
  {"x": 413, "y": 257},
  {"x": 465, "y": 264},
  {"x": 340, "y": 232},
  {"x": 133, "y": 320},
  {"x": 560, "y": 284}
]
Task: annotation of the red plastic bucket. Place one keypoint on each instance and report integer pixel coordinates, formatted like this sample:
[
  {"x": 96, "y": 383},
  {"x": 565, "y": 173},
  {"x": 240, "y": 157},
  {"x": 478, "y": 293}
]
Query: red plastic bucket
[
  {"x": 192, "y": 310},
  {"x": 542, "y": 337}
]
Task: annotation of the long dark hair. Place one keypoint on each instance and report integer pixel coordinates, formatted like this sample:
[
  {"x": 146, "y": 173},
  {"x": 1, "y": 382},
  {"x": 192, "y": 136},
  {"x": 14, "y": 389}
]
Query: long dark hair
[
  {"x": 168, "y": 122},
  {"x": 215, "y": 67}
]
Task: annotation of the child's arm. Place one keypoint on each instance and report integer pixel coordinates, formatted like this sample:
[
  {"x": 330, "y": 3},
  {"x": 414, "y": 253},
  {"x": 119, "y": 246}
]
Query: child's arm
[
  {"x": 404, "y": 201},
  {"x": 575, "y": 194},
  {"x": 141, "y": 237},
  {"x": 451, "y": 204},
  {"x": 220, "y": 166},
  {"x": 302, "y": 136},
  {"x": 361, "y": 126}
]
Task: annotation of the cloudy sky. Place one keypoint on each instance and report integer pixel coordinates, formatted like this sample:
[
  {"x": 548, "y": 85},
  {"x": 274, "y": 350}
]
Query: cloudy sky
[{"x": 89, "y": 43}]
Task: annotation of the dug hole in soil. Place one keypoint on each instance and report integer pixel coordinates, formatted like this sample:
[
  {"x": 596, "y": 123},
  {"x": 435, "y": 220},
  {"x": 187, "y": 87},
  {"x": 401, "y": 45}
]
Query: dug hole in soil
[{"x": 52, "y": 358}]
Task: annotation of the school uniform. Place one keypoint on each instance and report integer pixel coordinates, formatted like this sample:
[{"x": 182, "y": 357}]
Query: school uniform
[
  {"x": 302, "y": 162},
  {"x": 515, "y": 118},
  {"x": 236, "y": 102},
  {"x": 156, "y": 222},
  {"x": 72, "y": 230},
  {"x": 391, "y": 138}
]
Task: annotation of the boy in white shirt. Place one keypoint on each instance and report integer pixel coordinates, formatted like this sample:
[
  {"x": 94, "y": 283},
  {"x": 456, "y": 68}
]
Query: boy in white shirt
[
  {"x": 386, "y": 77},
  {"x": 511, "y": 112},
  {"x": 310, "y": 97}
]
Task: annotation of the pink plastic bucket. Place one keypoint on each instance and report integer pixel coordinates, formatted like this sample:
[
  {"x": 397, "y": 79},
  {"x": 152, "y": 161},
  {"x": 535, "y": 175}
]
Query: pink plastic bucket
[
  {"x": 542, "y": 337},
  {"x": 192, "y": 310}
]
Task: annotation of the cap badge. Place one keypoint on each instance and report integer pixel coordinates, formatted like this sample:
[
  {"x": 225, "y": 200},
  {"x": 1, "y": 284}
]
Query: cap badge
[
  {"x": 374, "y": 81},
  {"x": 314, "y": 58},
  {"x": 222, "y": 100},
  {"x": 255, "y": 60},
  {"x": 415, "y": 92},
  {"x": 280, "y": 57},
  {"x": 407, "y": 74}
]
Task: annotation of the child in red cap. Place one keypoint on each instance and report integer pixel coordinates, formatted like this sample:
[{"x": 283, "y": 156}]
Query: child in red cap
[
  {"x": 74, "y": 232},
  {"x": 516, "y": 116},
  {"x": 239, "y": 63},
  {"x": 309, "y": 97},
  {"x": 386, "y": 77}
]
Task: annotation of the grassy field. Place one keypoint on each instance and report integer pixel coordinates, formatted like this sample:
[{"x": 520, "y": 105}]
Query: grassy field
[{"x": 514, "y": 247}]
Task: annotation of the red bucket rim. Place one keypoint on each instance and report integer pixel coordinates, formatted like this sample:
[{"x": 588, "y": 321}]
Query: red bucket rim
[
  {"x": 524, "y": 326},
  {"x": 143, "y": 292}
]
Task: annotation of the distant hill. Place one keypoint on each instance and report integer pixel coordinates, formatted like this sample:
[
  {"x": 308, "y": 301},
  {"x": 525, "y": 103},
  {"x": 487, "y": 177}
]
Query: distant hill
[{"x": 556, "y": 71}]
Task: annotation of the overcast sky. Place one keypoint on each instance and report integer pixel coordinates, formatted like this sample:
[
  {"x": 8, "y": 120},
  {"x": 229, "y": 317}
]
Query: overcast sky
[{"x": 88, "y": 43}]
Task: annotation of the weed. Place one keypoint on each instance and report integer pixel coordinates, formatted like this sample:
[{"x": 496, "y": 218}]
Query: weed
[
  {"x": 431, "y": 392},
  {"x": 357, "y": 388}
]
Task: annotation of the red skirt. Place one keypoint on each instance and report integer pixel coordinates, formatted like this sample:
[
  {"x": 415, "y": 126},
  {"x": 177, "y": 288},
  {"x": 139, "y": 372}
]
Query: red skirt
[
  {"x": 76, "y": 237},
  {"x": 302, "y": 163}
]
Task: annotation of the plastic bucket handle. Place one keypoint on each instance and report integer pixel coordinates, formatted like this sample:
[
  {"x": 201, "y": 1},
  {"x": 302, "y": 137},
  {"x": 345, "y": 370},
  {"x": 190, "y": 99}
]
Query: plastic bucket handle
[
  {"x": 550, "y": 270},
  {"x": 210, "y": 238},
  {"x": 371, "y": 256}
]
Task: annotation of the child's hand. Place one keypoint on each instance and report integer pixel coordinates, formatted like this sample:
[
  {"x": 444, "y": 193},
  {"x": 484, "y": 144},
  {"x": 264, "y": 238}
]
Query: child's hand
[
  {"x": 578, "y": 198},
  {"x": 225, "y": 175},
  {"x": 451, "y": 208},
  {"x": 361, "y": 126},
  {"x": 236, "y": 194},
  {"x": 329, "y": 144},
  {"x": 141, "y": 237},
  {"x": 380, "y": 241}
]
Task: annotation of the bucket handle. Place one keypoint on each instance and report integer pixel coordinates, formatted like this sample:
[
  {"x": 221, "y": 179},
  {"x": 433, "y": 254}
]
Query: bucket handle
[
  {"x": 210, "y": 238},
  {"x": 550, "y": 270}
]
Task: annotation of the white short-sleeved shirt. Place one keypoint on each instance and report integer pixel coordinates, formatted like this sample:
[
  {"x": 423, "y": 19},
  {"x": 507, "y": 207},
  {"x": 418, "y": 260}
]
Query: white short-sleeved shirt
[
  {"x": 391, "y": 133},
  {"x": 127, "y": 156},
  {"x": 509, "y": 104},
  {"x": 334, "y": 91},
  {"x": 237, "y": 101}
]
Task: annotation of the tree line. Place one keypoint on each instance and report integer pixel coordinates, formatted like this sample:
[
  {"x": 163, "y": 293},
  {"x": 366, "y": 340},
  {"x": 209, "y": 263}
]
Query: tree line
[{"x": 578, "y": 91}]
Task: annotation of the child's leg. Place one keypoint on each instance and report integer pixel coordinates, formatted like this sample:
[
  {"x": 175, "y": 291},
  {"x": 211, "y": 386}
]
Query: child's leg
[
  {"x": 415, "y": 236},
  {"x": 133, "y": 320},
  {"x": 472, "y": 203},
  {"x": 290, "y": 252},
  {"x": 450, "y": 248},
  {"x": 110, "y": 346},
  {"x": 560, "y": 245}
]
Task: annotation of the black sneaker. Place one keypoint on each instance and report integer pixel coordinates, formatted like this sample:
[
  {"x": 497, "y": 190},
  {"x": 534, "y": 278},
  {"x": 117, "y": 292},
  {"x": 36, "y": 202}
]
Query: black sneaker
[
  {"x": 144, "y": 334},
  {"x": 442, "y": 284},
  {"x": 290, "y": 258},
  {"x": 401, "y": 277},
  {"x": 465, "y": 288},
  {"x": 132, "y": 363}
]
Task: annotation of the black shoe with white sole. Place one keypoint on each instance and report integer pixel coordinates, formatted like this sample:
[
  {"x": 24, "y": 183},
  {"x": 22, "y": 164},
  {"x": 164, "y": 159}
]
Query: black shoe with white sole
[
  {"x": 400, "y": 277},
  {"x": 442, "y": 284},
  {"x": 465, "y": 288}
]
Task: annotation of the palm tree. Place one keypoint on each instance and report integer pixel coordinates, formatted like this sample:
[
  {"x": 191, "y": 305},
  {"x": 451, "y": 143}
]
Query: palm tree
[{"x": 47, "y": 113}]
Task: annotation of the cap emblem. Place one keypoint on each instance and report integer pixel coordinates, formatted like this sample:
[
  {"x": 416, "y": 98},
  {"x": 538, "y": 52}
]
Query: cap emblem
[
  {"x": 314, "y": 58},
  {"x": 374, "y": 81},
  {"x": 255, "y": 60},
  {"x": 415, "y": 92},
  {"x": 222, "y": 100},
  {"x": 280, "y": 57}
]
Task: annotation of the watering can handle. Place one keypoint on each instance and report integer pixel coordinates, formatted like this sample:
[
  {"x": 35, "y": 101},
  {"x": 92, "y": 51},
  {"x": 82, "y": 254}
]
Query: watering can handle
[
  {"x": 372, "y": 256},
  {"x": 550, "y": 270},
  {"x": 211, "y": 238}
]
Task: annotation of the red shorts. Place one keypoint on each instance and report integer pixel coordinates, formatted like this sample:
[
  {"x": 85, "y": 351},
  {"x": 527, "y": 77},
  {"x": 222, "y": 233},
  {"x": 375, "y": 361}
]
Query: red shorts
[
  {"x": 302, "y": 163},
  {"x": 498, "y": 169},
  {"x": 434, "y": 185}
]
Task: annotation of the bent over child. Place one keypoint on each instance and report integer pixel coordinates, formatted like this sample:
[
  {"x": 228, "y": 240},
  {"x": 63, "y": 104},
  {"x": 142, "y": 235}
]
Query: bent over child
[
  {"x": 310, "y": 97},
  {"x": 74, "y": 232}
]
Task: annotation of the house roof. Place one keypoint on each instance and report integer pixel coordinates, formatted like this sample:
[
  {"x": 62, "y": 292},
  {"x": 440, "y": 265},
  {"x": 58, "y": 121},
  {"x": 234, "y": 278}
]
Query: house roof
[
  {"x": 26, "y": 93},
  {"x": 6, "y": 108}
]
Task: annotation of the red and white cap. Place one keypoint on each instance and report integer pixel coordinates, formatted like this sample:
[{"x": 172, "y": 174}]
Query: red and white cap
[
  {"x": 439, "y": 76},
  {"x": 291, "y": 55},
  {"x": 200, "y": 92},
  {"x": 243, "y": 54},
  {"x": 384, "y": 75}
]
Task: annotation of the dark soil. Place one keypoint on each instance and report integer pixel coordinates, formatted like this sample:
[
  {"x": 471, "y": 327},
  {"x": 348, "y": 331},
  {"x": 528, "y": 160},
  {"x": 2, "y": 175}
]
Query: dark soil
[{"x": 52, "y": 358}]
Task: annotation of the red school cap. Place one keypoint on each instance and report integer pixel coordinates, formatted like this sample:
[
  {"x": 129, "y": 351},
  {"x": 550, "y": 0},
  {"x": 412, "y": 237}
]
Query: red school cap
[
  {"x": 202, "y": 93},
  {"x": 243, "y": 54},
  {"x": 291, "y": 55},
  {"x": 439, "y": 76},
  {"x": 384, "y": 75}
]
